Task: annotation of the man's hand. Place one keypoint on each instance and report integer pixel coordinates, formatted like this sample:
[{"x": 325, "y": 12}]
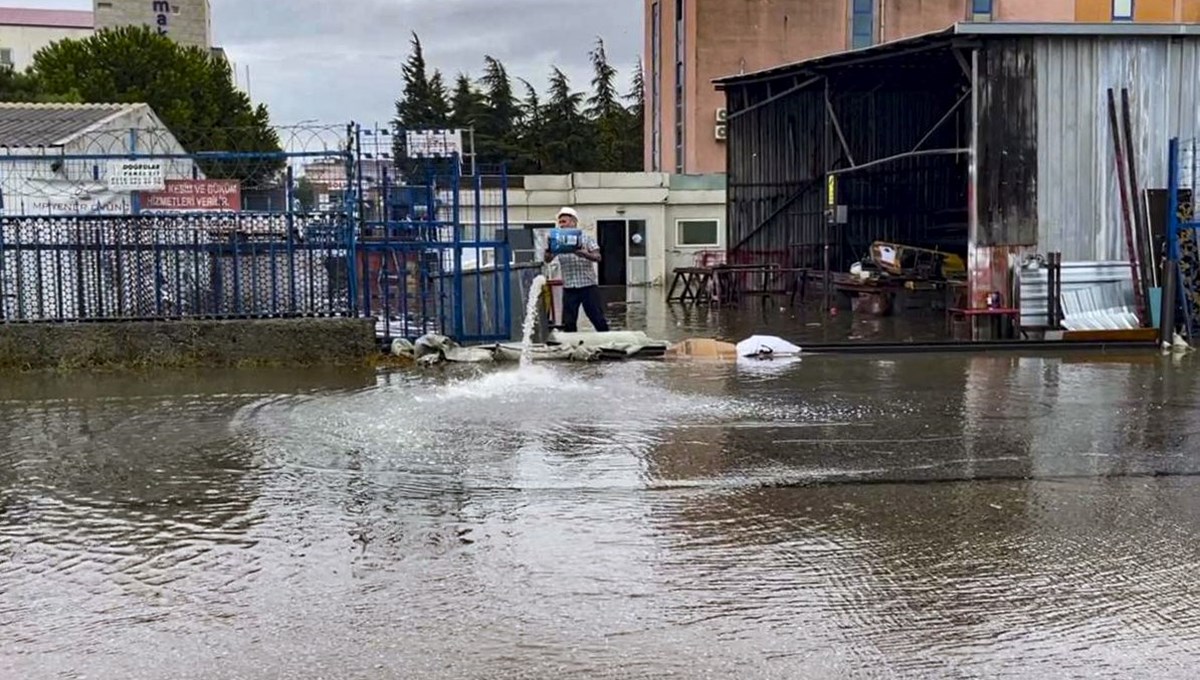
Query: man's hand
[{"x": 593, "y": 255}]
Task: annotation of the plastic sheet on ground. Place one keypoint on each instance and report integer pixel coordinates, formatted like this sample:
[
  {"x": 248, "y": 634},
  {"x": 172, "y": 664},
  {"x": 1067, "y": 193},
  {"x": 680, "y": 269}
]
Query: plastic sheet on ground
[
  {"x": 1105, "y": 307},
  {"x": 434, "y": 348},
  {"x": 613, "y": 344},
  {"x": 512, "y": 352}
]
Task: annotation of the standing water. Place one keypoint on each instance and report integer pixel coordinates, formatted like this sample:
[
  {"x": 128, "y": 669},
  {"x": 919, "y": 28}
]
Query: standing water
[{"x": 535, "y": 295}]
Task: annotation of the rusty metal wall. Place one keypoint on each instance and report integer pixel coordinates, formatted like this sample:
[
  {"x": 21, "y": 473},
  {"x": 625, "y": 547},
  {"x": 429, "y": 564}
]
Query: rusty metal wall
[
  {"x": 1078, "y": 203},
  {"x": 775, "y": 153},
  {"x": 1046, "y": 166},
  {"x": 781, "y": 151},
  {"x": 1007, "y": 145}
]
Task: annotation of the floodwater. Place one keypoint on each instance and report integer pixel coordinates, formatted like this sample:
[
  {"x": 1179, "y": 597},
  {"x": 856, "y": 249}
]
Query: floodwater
[{"x": 882, "y": 517}]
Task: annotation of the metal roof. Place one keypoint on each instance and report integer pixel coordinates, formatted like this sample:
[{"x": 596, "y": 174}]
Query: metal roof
[
  {"x": 966, "y": 29},
  {"x": 30, "y": 125},
  {"x": 46, "y": 18}
]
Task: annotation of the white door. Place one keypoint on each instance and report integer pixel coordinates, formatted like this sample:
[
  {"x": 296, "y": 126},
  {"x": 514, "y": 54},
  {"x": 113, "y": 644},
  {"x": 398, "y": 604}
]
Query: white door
[{"x": 636, "y": 236}]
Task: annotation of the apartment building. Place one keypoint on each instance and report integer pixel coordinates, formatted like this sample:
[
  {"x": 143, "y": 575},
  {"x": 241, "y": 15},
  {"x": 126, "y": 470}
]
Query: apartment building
[{"x": 691, "y": 42}]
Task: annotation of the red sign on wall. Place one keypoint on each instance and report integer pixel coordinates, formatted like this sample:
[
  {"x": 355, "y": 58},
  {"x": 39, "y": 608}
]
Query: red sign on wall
[{"x": 195, "y": 195}]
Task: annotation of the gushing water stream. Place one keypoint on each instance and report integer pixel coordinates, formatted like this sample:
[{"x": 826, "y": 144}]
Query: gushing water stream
[{"x": 531, "y": 314}]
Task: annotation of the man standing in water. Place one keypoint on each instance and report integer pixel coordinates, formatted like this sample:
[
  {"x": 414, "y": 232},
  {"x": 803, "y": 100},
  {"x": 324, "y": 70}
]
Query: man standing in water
[{"x": 581, "y": 285}]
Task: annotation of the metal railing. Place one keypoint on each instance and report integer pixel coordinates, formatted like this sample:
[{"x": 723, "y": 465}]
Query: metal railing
[
  {"x": 146, "y": 267},
  {"x": 316, "y": 227}
]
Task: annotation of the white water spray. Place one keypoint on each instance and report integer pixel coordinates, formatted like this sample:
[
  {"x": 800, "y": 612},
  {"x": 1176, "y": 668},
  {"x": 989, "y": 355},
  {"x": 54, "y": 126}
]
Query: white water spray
[{"x": 531, "y": 315}]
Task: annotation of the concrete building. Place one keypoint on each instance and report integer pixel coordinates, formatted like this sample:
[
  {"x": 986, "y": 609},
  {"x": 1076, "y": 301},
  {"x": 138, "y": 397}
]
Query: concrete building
[
  {"x": 646, "y": 223},
  {"x": 692, "y": 42},
  {"x": 988, "y": 140},
  {"x": 188, "y": 22},
  {"x": 25, "y": 31}
]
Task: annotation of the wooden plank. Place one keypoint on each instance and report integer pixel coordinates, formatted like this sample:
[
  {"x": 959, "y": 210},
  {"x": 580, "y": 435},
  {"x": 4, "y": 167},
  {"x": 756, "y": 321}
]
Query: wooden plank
[{"x": 1132, "y": 335}]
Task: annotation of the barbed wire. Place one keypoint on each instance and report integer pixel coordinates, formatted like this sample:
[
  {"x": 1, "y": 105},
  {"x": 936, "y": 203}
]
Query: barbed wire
[{"x": 71, "y": 175}]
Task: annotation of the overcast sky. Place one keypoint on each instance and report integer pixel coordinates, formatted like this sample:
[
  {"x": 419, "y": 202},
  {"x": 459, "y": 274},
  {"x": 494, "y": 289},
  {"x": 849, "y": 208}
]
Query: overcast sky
[{"x": 339, "y": 61}]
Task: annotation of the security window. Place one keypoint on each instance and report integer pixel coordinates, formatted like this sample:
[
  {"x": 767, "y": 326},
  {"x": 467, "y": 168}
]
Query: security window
[
  {"x": 862, "y": 23},
  {"x": 696, "y": 232},
  {"x": 1122, "y": 10}
]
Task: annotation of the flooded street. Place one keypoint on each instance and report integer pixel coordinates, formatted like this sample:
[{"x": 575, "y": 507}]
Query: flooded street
[{"x": 902, "y": 516}]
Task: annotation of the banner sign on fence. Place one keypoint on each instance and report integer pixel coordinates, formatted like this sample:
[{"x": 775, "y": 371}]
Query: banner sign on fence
[
  {"x": 433, "y": 143},
  {"x": 38, "y": 197},
  {"x": 195, "y": 195},
  {"x": 135, "y": 175}
]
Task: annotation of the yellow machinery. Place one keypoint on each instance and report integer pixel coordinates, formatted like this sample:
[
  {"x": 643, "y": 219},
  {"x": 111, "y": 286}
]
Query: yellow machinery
[{"x": 901, "y": 260}]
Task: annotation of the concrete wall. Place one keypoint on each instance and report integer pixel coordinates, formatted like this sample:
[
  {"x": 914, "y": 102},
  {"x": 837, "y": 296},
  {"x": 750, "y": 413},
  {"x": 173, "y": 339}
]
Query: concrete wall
[
  {"x": 188, "y": 22},
  {"x": 25, "y": 41},
  {"x": 178, "y": 344}
]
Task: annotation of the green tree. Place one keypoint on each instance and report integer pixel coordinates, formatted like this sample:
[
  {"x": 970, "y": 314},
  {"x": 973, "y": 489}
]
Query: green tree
[
  {"x": 466, "y": 103},
  {"x": 496, "y": 129},
  {"x": 423, "y": 104},
  {"x": 610, "y": 119},
  {"x": 569, "y": 135},
  {"x": 190, "y": 90},
  {"x": 306, "y": 195},
  {"x": 632, "y": 159},
  {"x": 24, "y": 87},
  {"x": 531, "y": 134}
]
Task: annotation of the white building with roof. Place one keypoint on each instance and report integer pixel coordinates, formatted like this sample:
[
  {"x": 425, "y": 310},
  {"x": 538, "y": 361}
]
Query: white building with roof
[
  {"x": 65, "y": 252},
  {"x": 54, "y": 158},
  {"x": 25, "y": 31}
]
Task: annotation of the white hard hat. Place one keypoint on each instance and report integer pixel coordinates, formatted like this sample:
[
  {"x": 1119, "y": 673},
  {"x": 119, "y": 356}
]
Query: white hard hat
[{"x": 567, "y": 211}]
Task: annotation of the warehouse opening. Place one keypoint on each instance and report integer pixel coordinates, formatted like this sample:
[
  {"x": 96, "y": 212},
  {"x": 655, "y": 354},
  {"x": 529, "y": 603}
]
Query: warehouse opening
[{"x": 852, "y": 160}]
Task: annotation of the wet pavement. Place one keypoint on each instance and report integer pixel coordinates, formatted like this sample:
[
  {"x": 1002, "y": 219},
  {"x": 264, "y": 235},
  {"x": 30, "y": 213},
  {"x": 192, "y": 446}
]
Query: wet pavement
[{"x": 868, "y": 516}]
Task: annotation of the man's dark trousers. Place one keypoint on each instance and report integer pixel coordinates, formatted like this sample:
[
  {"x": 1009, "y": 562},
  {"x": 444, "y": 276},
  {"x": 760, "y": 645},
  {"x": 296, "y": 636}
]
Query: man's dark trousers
[{"x": 589, "y": 299}]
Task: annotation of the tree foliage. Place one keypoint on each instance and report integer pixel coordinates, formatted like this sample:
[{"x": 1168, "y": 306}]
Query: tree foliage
[
  {"x": 192, "y": 92},
  {"x": 562, "y": 130}
]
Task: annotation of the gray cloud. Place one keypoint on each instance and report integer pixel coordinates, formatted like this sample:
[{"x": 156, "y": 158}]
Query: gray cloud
[
  {"x": 335, "y": 62},
  {"x": 339, "y": 60}
]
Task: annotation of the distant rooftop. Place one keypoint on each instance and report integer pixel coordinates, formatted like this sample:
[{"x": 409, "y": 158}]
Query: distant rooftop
[
  {"x": 969, "y": 29},
  {"x": 32, "y": 125},
  {"x": 46, "y": 18}
]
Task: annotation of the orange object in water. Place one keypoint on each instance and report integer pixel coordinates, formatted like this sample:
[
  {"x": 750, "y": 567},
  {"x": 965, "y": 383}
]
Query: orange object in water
[{"x": 702, "y": 348}]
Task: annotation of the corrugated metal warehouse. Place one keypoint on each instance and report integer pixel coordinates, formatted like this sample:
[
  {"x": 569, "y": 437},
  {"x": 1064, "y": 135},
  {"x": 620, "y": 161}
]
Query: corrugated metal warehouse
[{"x": 991, "y": 140}]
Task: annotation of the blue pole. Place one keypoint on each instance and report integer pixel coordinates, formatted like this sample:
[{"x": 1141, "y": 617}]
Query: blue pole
[
  {"x": 456, "y": 225},
  {"x": 348, "y": 236},
  {"x": 479, "y": 325},
  {"x": 135, "y": 197},
  {"x": 1173, "y": 227},
  {"x": 506, "y": 281}
]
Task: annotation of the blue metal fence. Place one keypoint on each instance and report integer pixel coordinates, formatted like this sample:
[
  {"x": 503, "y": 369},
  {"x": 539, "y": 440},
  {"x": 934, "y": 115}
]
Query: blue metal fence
[
  {"x": 108, "y": 268},
  {"x": 434, "y": 256},
  {"x": 427, "y": 252},
  {"x": 1183, "y": 231}
]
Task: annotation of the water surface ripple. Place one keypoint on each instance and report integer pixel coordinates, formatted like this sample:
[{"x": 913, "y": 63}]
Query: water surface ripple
[{"x": 972, "y": 517}]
